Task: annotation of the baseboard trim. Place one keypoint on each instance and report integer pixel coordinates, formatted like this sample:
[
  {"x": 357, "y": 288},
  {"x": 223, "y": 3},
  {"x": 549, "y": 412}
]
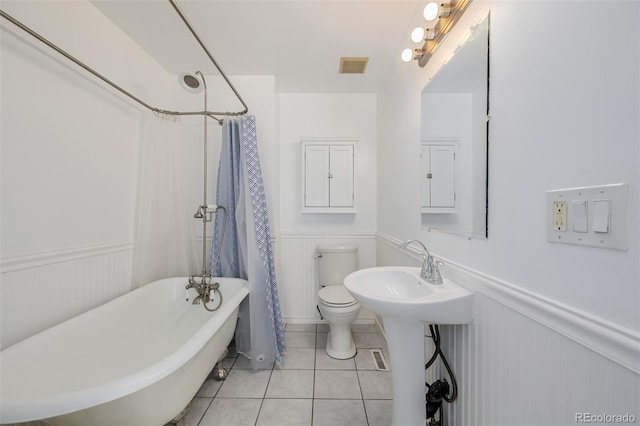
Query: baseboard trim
[
  {"x": 380, "y": 328},
  {"x": 611, "y": 340}
]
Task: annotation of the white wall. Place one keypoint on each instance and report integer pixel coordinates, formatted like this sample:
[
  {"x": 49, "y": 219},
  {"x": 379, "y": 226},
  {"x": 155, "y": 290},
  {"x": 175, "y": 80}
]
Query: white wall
[
  {"x": 565, "y": 113},
  {"x": 323, "y": 116},
  {"x": 69, "y": 163},
  {"x": 327, "y": 116},
  {"x": 561, "y": 117}
]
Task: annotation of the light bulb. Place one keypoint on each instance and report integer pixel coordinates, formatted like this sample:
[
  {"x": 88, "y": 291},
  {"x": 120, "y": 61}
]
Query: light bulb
[
  {"x": 407, "y": 55},
  {"x": 430, "y": 11},
  {"x": 417, "y": 35}
]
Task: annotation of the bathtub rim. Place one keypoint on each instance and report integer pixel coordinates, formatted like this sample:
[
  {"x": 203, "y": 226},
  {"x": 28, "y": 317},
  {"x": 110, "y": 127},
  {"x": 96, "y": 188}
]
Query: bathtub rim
[{"x": 24, "y": 409}]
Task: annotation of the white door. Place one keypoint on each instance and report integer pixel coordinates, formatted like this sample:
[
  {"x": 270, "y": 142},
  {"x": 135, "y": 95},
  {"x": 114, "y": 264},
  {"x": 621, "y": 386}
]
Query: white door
[
  {"x": 316, "y": 176},
  {"x": 442, "y": 159},
  {"x": 437, "y": 176},
  {"x": 341, "y": 176}
]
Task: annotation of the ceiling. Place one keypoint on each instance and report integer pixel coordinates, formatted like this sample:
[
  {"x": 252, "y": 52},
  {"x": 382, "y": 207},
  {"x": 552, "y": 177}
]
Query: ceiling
[{"x": 300, "y": 42}]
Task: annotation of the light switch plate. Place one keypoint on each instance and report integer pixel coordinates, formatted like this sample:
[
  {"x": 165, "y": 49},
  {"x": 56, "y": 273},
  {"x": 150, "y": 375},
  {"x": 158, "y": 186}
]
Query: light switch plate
[{"x": 596, "y": 230}]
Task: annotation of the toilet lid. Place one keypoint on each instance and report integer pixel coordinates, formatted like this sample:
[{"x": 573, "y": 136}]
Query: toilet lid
[{"x": 336, "y": 295}]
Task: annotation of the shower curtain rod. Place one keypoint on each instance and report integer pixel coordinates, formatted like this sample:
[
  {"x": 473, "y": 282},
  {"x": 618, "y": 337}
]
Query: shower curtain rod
[{"x": 129, "y": 94}]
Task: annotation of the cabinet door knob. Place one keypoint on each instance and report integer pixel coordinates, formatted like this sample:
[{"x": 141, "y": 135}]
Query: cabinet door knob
[
  {"x": 330, "y": 176},
  {"x": 429, "y": 175}
]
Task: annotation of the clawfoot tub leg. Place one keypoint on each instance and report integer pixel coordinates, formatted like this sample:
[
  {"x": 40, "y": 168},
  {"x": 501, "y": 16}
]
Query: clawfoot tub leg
[
  {"x": 219, "y": 372},
  {"x": 179, "y": 419}
]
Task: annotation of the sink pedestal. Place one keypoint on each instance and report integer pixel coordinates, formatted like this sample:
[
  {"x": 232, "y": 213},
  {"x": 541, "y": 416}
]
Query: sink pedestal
[{"x": 405, "y": 340}]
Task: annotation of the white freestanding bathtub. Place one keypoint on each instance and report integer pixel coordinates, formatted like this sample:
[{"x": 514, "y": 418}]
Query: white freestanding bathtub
[{"x": 137, "y": 360}]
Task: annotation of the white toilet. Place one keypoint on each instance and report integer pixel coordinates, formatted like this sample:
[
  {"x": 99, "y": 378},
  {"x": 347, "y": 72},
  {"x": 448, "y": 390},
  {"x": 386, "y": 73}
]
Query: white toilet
[{"x": 336, "y": 305}]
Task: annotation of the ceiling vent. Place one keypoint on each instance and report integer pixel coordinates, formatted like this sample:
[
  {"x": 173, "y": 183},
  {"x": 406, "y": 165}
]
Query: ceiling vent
[{"x": 353, "y": 65}]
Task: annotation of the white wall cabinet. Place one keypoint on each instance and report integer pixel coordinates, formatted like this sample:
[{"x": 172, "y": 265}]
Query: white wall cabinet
[
  {"x": 437, "y": 178},
  {"x": 328, "y": 176}
]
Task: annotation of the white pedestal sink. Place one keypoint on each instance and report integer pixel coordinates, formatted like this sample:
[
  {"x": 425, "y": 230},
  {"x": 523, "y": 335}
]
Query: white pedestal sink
[{"x": 406, "y": 303}]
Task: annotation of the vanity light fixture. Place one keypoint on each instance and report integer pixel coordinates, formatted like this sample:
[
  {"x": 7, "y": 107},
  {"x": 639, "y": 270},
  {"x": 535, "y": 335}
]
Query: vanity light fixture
[{"x": 447, "y": 15}]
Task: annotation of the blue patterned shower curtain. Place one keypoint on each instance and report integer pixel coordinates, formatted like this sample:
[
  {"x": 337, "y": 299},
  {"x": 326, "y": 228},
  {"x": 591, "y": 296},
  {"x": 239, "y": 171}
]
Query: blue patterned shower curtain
[{"x": 247, "y": 251}]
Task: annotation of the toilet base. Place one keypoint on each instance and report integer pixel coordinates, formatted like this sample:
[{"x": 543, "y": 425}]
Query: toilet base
[{"x": 340, "y": 345}]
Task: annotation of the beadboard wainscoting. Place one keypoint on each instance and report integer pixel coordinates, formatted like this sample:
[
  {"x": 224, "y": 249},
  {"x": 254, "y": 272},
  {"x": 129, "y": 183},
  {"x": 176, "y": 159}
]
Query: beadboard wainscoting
[
  {"x": 527, "y": 360},
  {"x": 297, "y": 283},
  {"x": 41, "y": 290}
]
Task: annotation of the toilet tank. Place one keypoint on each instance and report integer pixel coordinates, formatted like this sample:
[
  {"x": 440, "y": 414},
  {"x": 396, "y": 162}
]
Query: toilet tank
[{"x": 335, "y": 263}]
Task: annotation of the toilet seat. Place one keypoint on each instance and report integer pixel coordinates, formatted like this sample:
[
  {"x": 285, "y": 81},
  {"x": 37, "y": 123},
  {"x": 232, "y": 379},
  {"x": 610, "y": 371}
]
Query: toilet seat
[{"x": 336, "y": 296}]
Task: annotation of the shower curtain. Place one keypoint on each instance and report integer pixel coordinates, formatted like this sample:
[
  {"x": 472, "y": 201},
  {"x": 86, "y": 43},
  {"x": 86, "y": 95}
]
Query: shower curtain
[
  {"x": 164, "y": 237},
  {"x": 247, "y": 250}
]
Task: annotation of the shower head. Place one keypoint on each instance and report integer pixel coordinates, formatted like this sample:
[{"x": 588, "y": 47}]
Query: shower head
[
  {"x": 199, "y": 214},
  {"x": 190, "y": 82}
]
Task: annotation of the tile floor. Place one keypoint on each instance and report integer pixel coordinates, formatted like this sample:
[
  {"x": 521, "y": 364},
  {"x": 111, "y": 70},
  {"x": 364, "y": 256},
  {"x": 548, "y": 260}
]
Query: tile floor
[{"x": 310, "y": 389}]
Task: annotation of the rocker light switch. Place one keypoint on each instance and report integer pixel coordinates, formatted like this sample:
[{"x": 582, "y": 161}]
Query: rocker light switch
[
  {"x": 601, "y": 216},
  {"x": 579, "y": 215}
]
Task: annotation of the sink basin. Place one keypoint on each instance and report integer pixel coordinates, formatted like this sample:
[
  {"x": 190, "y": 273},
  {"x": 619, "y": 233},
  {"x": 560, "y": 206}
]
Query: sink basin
[
  {"x": 406, "y": 303},
  {"x": 399, "y": 292}
]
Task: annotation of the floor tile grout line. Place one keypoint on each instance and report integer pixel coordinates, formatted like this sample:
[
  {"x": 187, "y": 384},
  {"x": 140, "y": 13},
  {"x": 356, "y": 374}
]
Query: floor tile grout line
[
  {"x": 313, "y": 389},
  {"x": 205, "y": 411},
  {"x": 264, "y": 396},
  {"x": 215, "y": 394},
  {"x": 364, "y": 407}
]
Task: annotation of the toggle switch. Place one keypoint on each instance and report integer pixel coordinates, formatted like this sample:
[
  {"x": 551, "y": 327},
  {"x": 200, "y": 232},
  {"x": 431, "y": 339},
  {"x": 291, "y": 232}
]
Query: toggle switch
[
  {"x": 579, "y": 215},
  {"x": 601, "y": 216}
]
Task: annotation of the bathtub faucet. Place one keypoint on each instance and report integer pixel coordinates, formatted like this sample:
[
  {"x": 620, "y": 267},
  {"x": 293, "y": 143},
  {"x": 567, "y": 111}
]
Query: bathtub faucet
[
  {"x": 206, "y": 290},
  {"x": 430, "y": 272}
]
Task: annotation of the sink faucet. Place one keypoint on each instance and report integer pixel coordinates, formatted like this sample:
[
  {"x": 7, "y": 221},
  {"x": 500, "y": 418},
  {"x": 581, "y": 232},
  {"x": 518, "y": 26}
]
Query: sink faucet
[{"x": 430, "y": 272}]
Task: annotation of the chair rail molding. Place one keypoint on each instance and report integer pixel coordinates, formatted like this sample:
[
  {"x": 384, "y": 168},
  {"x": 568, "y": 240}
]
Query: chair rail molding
[{"x": 49, "y": 257}]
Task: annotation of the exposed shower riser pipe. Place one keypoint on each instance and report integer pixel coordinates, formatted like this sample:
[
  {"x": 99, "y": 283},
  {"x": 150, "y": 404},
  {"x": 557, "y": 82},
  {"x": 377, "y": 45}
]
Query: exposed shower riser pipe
[{"x": 204, "y": 182}]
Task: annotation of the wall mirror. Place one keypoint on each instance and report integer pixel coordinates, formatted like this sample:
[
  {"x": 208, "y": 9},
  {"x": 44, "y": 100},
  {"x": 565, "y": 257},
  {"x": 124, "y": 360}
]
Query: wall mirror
[{"x": 454, "y": 141}]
